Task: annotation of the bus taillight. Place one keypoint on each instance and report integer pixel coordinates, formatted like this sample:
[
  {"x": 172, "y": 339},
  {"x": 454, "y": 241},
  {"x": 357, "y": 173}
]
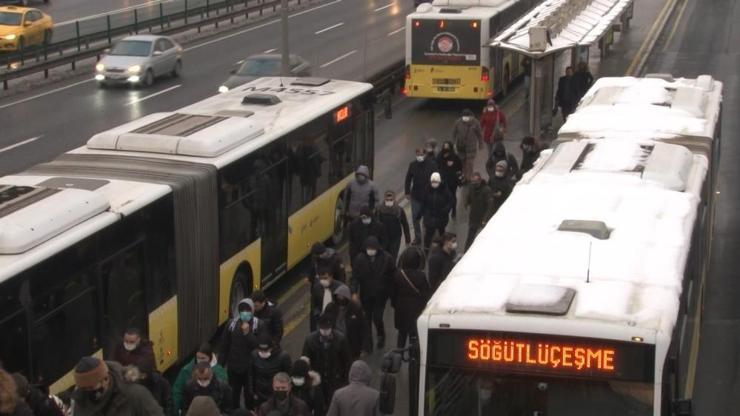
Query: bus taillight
[
  {"x": 417, "y": 23},
  {"x": 484, "y": 74}
]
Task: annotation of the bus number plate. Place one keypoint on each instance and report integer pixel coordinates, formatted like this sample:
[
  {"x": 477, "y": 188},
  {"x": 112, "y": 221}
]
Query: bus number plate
[{"x": 446, "y": 89}]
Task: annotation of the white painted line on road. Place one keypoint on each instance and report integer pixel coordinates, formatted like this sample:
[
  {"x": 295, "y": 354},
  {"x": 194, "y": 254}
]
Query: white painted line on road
[
  {"x": 270, "y": 50},
  {"x": 33, "y": 97},
  {"x": 138, "y": 100},
  {"x": 124, "y": 9},
  {"x": 380, "y": 9},
  {"x": 314, "y": 9},
  {"x": 326, "y": 29},
  {"x": 13, "y": 146},
  {"x": 396, "y": 31},
  {"x": 335, "y": 60}
]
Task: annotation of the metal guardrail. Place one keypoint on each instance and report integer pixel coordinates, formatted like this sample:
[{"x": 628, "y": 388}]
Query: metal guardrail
[{"x": 84, "y": 46}]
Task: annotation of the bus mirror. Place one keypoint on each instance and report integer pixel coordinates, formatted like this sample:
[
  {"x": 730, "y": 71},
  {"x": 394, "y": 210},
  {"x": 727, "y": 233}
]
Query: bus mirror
[
  {"x": 392, "y": 362},
  {"x": 682, "y": 408},
  {"x": 387, "y": 393}
]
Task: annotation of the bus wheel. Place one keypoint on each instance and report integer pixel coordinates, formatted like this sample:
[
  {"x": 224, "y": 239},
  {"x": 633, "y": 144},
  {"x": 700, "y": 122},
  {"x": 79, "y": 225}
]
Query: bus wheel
[
  {"x": 240, "y": 289},
  {"x": 338, "y": 236}
]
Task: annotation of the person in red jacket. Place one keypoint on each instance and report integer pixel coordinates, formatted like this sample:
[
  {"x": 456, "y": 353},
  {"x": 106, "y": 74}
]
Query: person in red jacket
[
  {"x": 493, "y": 123},
  {"x": 134, "y": 350}
]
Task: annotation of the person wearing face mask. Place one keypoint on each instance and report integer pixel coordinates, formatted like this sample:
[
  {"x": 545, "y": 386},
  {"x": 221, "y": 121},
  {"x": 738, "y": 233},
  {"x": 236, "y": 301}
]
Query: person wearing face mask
[
  {"x": 360, "y": 192},
  {"x": 442, "y": 260},
  {"x": 358, "y": 398},
  {"x": 498, "y": 154},
  {"x": 238, "y": 342},
  {"x": 480, "y": 203},
  {"x": 395, "y": 223},
  {"x": 494, "y": 125},
  {"x": 203, "y": 355},
  {"x": 530, "y": 153},
  {"x": 360, "y": 229},
  {"x": 372, "y": 277},
  {"x": 100, "y": 390},
  {"x": 322, "y": 295},
  {"x": 282, "y": 401},
  {"x": 134, "y": 350},
  {"x": 349, "y": 319},
  {"x": 307, "y": 387},
  {"x": 329, "y": 354},
  {"x": 267, "y": 360},
  {"x": 324, "y": 257},
  {"x": 501, "y": 185},
  {"x": 435, "y": 209},
  {"x": 157, "y": 385},
  {"x": 468, "y": 138},
  {"x": 204, "y": 383},
  {"x": 409, "y": 293},
  {"x": 415, "y": 186},
  {"x": 450, "y": 168},
  {"x": 269, "y": 314}
]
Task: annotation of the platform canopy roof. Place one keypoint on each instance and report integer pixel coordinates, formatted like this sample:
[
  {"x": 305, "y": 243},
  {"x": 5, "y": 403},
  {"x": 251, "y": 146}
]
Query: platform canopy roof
[{"x": 569, "y": 23}]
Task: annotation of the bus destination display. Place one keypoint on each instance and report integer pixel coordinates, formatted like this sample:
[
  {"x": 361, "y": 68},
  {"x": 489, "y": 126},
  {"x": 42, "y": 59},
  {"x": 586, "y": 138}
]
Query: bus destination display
[{"x": 542, "y": 354}]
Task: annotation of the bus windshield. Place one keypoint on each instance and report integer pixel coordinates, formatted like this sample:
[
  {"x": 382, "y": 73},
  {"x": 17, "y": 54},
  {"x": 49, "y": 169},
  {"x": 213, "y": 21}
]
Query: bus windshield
[
  {"x": 446, "y": 42},
  {"x": 452, "y": 392}
]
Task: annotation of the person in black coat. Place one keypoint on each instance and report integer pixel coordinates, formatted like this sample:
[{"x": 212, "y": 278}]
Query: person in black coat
[
  {"x": 442, "y": 260},
  {"x": 480, "y": 202},
  {"x": 416, "y": 184},
  {"x": 269, "y": 314},
  {"x": 566, "y": 96},
  {"x": 157, "y": 385},
  {"x": 324, "y": 257},
  {"x": 409, "y": 293},
  {"x": 435, "y": 208},
  {"x": 322, "y": 294},
  {"x": 498, "y": 154},
  {"x": 361, "y": 228},
  {"x": 450, "y": 168},
  {"x": 307, "y": 387},
  {"x": 582, "y": 80},
  {"x": 500, "y": 184},
  {"x": 205, "y": 384},
  {"x": 395, "y": 222},
  {"x": 530, "y": 153},
  {"x": 267, "y": 360},
  {"x": 238, "y": 342},
  {"x": 349, "y": 319},
  {"x": 329, "y": 354},
  {"x": 371, "y": 281}
]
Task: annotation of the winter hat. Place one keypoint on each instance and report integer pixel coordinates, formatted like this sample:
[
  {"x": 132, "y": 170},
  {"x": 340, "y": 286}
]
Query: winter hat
[
  {"x": 343, "y": 291},
  {"x": 318, "y": 249},
  {"x": 435, "y": 177},
  {"x": 372, "y": 242},
  {"x": 326, "y": 321},
  {"x": 264, "y": 341},
  {"x": 300, "y": 369},
  {"x": 89, "y": 372},
  {"x": 467, "y": 112},
  {"x": 203, "y": 406},
  {"x": 491, "y": 102}
]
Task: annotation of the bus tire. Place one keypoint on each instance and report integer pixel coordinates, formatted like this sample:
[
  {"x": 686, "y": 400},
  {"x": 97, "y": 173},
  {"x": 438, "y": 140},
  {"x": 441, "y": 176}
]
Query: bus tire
[
  {"x": 241, "y": 287},
  {"x": 339, "y": 234}
]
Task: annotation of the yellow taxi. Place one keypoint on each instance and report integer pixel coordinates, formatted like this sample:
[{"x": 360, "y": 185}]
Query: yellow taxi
[{"x": 21, "y": 27}]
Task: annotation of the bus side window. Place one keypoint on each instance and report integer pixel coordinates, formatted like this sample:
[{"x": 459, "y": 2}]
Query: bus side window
[
  {"x": 309, "y": 153},
  {"x": 239, "y": 203},
  {"x": 13, "y": 326}
]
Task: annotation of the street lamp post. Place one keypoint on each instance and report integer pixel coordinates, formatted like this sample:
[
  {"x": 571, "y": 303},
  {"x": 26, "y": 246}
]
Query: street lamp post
[{"x": 285, "y": 67}]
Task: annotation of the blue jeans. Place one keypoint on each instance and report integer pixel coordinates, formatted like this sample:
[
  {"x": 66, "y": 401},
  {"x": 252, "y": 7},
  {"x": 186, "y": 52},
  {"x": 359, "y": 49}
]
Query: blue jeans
[{"x": 416, "y": 217}]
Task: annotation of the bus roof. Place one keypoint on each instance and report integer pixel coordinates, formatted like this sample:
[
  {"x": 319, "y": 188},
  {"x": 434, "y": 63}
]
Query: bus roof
[
  {"x": 645, "y": 193},
  {"x": 234, "y": 123},
  {"x": 651, "y": 107},
  {"x": 469, "y": 9}
]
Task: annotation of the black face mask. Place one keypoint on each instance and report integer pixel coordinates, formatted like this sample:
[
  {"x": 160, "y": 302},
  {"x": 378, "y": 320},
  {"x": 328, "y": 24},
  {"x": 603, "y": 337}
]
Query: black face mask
[{"x": 281, "y": 395}]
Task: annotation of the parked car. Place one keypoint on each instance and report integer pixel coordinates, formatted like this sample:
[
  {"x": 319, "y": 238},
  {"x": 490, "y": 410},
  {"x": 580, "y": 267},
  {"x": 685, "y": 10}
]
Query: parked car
[
  {"x": 138, "y": 60},
  {"x": 265, "y": 65},
  {"x": 21, "y": 27}
]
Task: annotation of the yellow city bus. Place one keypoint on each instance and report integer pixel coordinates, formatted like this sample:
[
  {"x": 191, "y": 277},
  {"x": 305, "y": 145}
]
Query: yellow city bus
[
  {"x": 164, "y": 223},
  {"x": 446, "y": 52}
]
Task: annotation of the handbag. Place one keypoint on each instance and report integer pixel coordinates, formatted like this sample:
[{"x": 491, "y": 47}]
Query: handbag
[{"x": 409, "y": 282}]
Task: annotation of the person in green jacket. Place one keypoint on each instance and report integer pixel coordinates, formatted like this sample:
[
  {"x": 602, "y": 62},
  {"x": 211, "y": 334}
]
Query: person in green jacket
[{"x": 204, "y": 354}]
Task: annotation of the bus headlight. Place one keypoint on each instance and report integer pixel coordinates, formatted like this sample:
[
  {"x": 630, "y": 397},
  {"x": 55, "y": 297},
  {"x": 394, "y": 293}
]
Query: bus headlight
[
  {"x": 222, "y": 89},
  {"x": 11, "y": 36}
]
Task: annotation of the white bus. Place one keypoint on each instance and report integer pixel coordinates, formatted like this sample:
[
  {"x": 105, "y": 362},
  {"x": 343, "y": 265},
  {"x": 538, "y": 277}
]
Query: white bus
[
  {"x": 446, "y": 48},
  {"x": 583, "y": 295},
  {"x": 164, "y": 223}
]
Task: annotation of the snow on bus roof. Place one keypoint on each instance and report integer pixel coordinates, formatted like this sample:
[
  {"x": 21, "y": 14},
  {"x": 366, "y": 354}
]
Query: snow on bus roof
[
  {"x": 634, "y": 276},
  {"x": 647, "y": 108}
]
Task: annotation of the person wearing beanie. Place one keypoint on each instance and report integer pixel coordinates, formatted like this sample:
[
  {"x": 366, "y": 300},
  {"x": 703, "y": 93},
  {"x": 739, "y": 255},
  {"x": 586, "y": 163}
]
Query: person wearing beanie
[
  {"x": 498, "y": 154},
  {"x": 237, "y": 343},
  {"x": 350, "y": 319},
  {"x": 101, "y": 391},
  {"x": 327, "y": 351},
  {"x": 11, "y": 401},
  {"x": 267, "y": 360},
  {"x": 324, "y": 257},
  {"x": 361, "y": 228},
  {"x": 204, "y": 354},
  {"x": 493, "y": 123},
  {"x": 269, "y": 314},
  {"x": 501, "y": 185},
  {"x": 409, "y": 293},
  {"x": 307, "y": 387},
  {"x": 415, "y": 186},
  {"x": 395, "y": 222},
  {"x": 203, "y": 406},
  {"x": 371, "y": 281},
  {"x": 435, "y": 209},
  {"x": 468, "y": 138}
]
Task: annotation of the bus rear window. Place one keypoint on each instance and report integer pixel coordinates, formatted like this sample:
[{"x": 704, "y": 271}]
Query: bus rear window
[{"x": 446, "y": 42}]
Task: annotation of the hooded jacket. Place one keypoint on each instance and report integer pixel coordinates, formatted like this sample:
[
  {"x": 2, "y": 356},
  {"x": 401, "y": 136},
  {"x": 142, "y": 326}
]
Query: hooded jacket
[
  {"x": 480, "y": 202},
  {"x": 435, "y": 209},
  {"x": 203, "y": 406},
  {"x": 395, "y": 222},
  {"x": 237, "y": 346},
  {"x": 358, "y": 398},
  {"x": 450, "y": 166},
  {"x": 271, "y": 320},
  {"x": 329, "y": 357},
  {"x": 121, "y": 399},
  {"x": 417, "y": 177},
  {"x": 372, "y": 277},
  {"x": 351, "y": 320},
  {"x": 359, "y": 232},
  {"x": 332, "y": 261},
  {"x": 358, "y": 194},
  {"x": 499, "y": 153},
  {"x": 410, "y": 290},
  {"x": 311, "y": 393},
  {"x": 264, "y": 369}
]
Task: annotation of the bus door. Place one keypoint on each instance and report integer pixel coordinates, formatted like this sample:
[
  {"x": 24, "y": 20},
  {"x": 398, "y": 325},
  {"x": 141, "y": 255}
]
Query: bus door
[{"x": 271, "y": 184}]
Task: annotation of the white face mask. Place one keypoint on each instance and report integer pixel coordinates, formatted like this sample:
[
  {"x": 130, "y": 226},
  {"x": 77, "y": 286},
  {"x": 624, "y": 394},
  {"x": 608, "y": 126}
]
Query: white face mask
[
  {"x": 130, "y": 346},
  {"x": 264, "y": 354},
  {"x": 453, "y": 245},
  {"x": 325, "y": 282},
  {"x": 371, "y": 252},
  {"x": 499, "y": 174},
  {"x": 435, "y": 185},
  {"x": 484, "y": 394},
  {"x": 204, "y": 383},
  {"x": 389, "y": 203},
  {"x": 325, "y": 332},
  {"x": 466, "y": 118},
  {"x": 491, "y": 108},
  {"x": 367, "y": 221},
  {"x": 298, "y": 381},
  {"x": 419, "y": 158}
]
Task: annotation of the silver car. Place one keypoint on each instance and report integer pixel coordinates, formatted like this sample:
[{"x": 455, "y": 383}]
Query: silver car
[
  {"x": 265, "y": 65},
  {"x": 138, "y": 60}
]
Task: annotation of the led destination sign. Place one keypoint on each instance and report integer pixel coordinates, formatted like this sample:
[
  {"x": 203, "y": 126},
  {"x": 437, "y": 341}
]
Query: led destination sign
[{"x": 542, "y": 354}]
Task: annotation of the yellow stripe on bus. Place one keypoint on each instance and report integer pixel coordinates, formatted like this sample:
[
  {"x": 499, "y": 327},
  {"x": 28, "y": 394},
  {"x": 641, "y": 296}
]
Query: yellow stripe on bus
[
  {"x": 68, "y": 380},
  {"x": 163, "y": 332},
  {"x": 447, "y": 81}
]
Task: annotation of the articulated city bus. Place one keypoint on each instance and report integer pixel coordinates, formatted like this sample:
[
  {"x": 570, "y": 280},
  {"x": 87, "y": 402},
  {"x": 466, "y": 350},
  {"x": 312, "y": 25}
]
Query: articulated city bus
[
  {"x": 446, "y": 56},
  {"x": 583, "y": 295},
  {"x": 164, "y": 223}
]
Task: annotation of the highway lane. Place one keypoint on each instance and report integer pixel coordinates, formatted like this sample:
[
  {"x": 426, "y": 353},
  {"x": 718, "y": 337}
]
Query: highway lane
[
  {"x": 68, "y": 117},
  {"x": 704, "y": 41}
]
